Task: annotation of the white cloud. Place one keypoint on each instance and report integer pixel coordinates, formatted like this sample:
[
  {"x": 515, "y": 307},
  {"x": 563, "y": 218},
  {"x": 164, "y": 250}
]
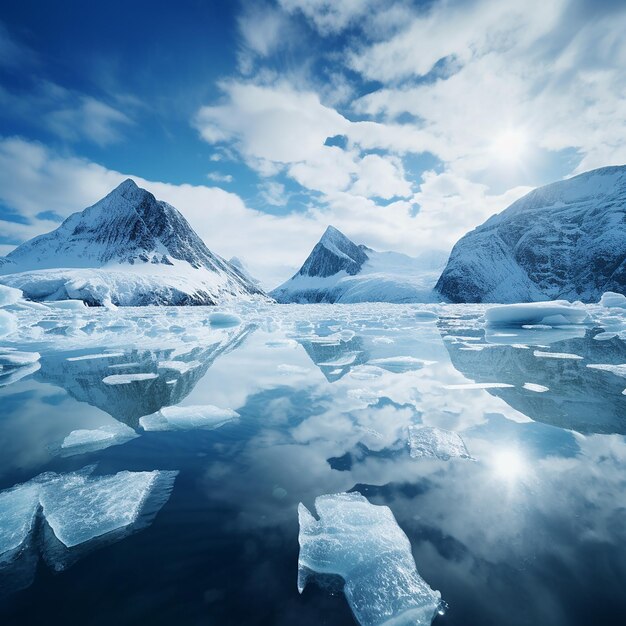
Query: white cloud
[
  {"x": 273, "y": 193},
  {"x": 217, "y": 177},
  {"x": 329, "y": 16},
  {"x": 89, "y": 119}
]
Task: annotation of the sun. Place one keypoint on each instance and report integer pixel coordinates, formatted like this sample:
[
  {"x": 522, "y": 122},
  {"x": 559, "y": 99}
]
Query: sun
[{"x": 510, "y": 145}]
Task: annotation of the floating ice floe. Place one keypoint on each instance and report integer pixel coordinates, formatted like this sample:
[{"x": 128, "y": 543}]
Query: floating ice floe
[
  {"x": 179, "y": 366},
  {"x": 13, "y": 358},
  {"x": 430, "y": 442},
  {"x": 478, "y": 386},
  {"x": 224, "y": 320},
  {"x": 91, "y": 357},
  {"x": 612, "y": 299},
  {"x": 556, "y": 355},
  {"x": 618, "y": 370},
  {"x": 68, "y": 305},
  {"x": 341, "y": 361},
  {"x": 399, "y": 364},
  {"x": 363, "y": 544},
  {"x": 126, "y": 379},
  {"x": 8, "y": 323},
  {"x": 187, "y": 418},
  {"x": 556, "y": 313},
  {"x": 79, "y": 509},
  {"x": 536, "y": 388},
  {"x": 89, "y": 440}
]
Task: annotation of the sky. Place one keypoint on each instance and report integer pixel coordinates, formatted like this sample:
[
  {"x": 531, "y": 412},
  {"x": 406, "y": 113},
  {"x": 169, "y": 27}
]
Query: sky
[{"x": 404, "y": 124}]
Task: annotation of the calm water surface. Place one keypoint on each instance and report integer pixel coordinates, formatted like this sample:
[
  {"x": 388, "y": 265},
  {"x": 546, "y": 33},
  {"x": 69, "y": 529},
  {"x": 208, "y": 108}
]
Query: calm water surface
[{"x": 533, "y": 531}]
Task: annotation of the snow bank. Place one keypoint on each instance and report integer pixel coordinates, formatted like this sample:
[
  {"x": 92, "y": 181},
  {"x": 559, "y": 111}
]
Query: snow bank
[
  {"x": 557, "y": 313},
  {"x": 364, "y": 545},
  {"x": 126, "y": 379}
]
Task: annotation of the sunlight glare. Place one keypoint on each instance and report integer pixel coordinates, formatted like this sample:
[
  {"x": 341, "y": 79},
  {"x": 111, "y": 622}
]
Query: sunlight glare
[
  {"x": 510, "y": 145},
  {"x": 509, "y": 464}
]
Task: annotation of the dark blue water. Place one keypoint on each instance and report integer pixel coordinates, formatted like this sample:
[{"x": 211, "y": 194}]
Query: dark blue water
[{"x": 531, "y": 532}]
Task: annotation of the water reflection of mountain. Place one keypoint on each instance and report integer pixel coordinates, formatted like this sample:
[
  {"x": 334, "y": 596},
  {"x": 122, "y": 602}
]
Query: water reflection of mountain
[
  {"x": 579, "y": 398},
  {"x": 177, "y": 375},
  {"x": 335, "y": 358}
]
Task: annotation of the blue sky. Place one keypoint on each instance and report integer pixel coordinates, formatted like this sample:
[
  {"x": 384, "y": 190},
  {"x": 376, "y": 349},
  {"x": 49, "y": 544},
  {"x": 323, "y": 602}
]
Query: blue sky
[{"x": 404, "y": 124}]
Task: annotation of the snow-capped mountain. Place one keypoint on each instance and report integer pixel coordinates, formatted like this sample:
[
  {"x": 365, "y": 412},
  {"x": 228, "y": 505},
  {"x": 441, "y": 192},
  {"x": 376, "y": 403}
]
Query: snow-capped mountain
[
  {"x": 242, "y": 268},
  {"x": 338, "y": 270},
  {"x": 128, "y": 249},
  {"x": 566, "y": 240}
]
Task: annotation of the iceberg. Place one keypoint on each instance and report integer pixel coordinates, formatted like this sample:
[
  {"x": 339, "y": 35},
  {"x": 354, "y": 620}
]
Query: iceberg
[
  {"x": 363, "y": 544},
  {"x": 618, "y": 369},
  {"x": 557, "y": 355},
  {"x": 557, "y": 313},
  {"x": 427, "y": 441},
  {"x": 187, "y": 417}
]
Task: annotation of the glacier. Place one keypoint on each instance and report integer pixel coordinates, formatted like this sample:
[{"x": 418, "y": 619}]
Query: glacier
[
  {"x": 340, "y": 271},
  {"x": 128, "y": 249},
  {"x": 363, "y": 544},
  {"x": 566, "y": 240}
]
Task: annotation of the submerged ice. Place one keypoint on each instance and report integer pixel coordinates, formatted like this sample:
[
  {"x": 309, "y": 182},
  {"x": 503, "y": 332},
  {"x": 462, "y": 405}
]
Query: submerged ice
[
  {"x": 187, "y": 417},
  {"x": 363, "y": 544}
]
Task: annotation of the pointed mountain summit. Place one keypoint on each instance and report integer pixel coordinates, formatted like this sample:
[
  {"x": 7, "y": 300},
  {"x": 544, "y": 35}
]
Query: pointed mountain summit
[
  {"x": 333, "y": 253},
  {"x": 338, "y": 270},
  {"x": 566, "y": 240},
  {"x": 127, "y": 249}
]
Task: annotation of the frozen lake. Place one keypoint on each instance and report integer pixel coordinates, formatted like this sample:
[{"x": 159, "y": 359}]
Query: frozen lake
[{"x": 176, "y": 444}]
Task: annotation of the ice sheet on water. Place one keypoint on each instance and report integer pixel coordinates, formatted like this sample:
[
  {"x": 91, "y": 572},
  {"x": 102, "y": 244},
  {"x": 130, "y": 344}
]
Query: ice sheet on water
[
  {"x": 92, "y": 357},
  {"x": 555, "y": 313},
  {"x": 18, "y": 509},
  {"x": 478, "y": 386},
  {"x": 556, "y": 355},
  {"x": 67, "y": 305},
  {"x": 364, "y": 545},
  {"x": 79, "y": 508},
  {"x": 84, "y": 440},
  {"x": 179, "y": 366},
  {"x": 399, "y": 364},
  {"x": 187, "y": 417},
  {"x": 618, "y": 370},
  {"x": 10, "y": 376},
  {"x": 536, "y": 388},
  {"x": 13, "y": 358},
  {"x": 427, "y": 441},
  {"x": 126, "y": 379}
]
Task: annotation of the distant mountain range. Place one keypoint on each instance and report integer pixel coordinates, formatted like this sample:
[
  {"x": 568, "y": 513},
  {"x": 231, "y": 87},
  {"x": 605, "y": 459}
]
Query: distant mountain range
[
  {"x": 127, "y": 249},
  {"x": 338, "y": 270},
  {"x": 566, "y": 240}
]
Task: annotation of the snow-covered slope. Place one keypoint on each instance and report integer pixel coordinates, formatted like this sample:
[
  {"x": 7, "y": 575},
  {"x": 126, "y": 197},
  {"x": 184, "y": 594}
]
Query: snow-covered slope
[
  {"x": 338, "y": 270},
  {"x": 566, "y": 240},
  {"x": 127, "y": 249}
]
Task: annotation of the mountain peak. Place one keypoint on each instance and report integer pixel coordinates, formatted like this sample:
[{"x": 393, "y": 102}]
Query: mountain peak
[{"x": 333, "y": 253}]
